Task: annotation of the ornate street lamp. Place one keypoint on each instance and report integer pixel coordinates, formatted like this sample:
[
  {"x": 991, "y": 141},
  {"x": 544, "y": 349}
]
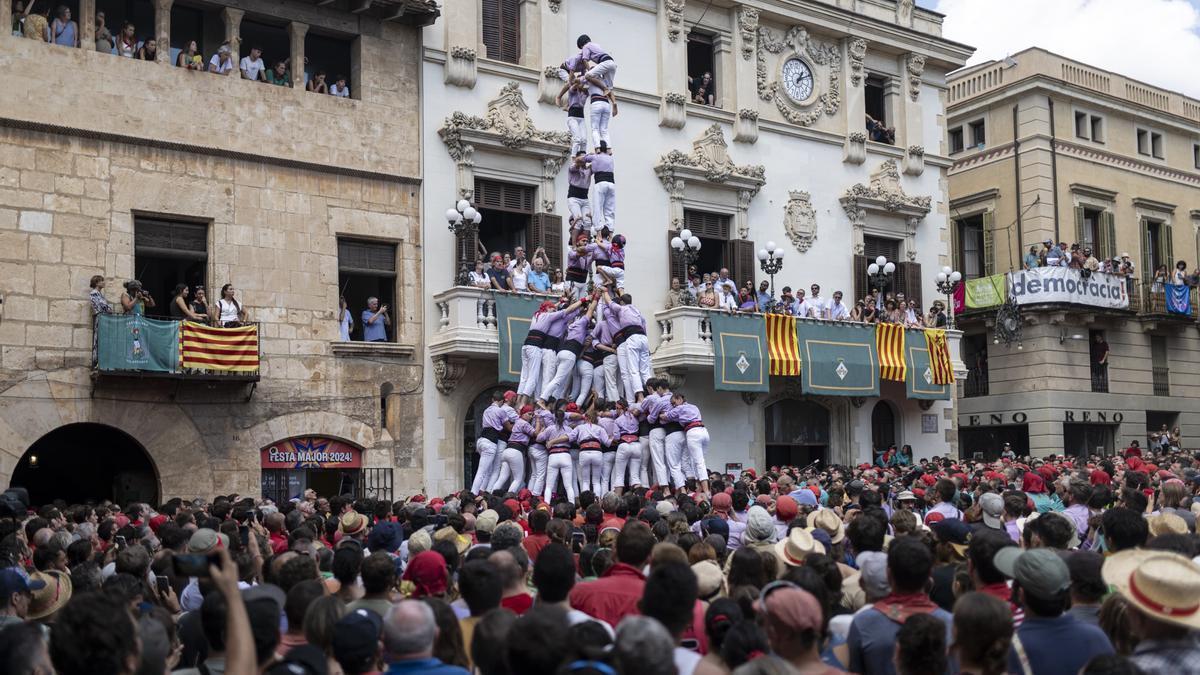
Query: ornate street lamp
[
  {"x": 947, "y": 283},
  {"x": 464, "y": 222},
  {"x": 770, "y": 260},
  {"x": 687, "y": 248},
  {"x": 880, "y": 273}
]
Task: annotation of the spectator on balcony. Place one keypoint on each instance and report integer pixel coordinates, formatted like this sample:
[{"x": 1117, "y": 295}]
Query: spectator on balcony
[
  {"x": 518, "y": 270},
  {"x": 63, "y": 31},
  {"x": 1090, "y": 262},
  {"x": 837, "y": 311},
  {"x": 1031, "y": 259},
  {"x": 1180, "y": 276},
  {"x": 708, "y": 297},
  {"x": 937, "y": 315},
  {"x": 500, "y": 276},
  {"x": 724, "y": 280},
  {"x": 35, "y": 25},
  {"x": 200, "y": 303},
  {"x": 375, "y": 321},
  {"x": 96, "y": 296},
  {"x": 180, "y": 309},
  {"x": 252, "y": 65},
  {"x": 479, "y": 277},
  {"x": 703, "y": 89},
  {"x": 856, "y": 312},
  {"x": 104, "y": 36},
  {"x": 190, "y": 58},
  {"x": 764, "y": 296},
  {"x": 149, "y": 50},
  {"x": 135, "y": 299},
  {"x": 558, "y": 285},
  {"x": 280, "y": 76},
  {"x": 870, "y": 313},
  {"x": 221, "y": 63},
  {"x": 880, "y": 133},
  {"x": 230, "y": 312},
  {"x": 1158, "y": 285},
  {"x": 746, "y": 300},
  {"x": 675, "y": 294},
  {"x": 345, "y": 320},
  {"x": 317, "y": 84},
  {"x": 127, "y": 42},
  {"x": 1099, "y": 353},
  {"x": 339, "y": 87},
  {"x": 727, "y": 298},
  {"x": 539, "y": 281}
]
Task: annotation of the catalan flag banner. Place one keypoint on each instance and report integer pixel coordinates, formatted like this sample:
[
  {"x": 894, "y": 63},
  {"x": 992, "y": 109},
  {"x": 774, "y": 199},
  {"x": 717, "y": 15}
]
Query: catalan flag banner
[
  {"x": 840, "y": 359},
  {"x": 739, "y": 343},
  {"x": 783, "y": 344},
  {"x": 918, "y": 381},
  {"x": 229, "y": 350},
  {"x": 939, "y": 356},
  {"x": 889, "y": 340}
]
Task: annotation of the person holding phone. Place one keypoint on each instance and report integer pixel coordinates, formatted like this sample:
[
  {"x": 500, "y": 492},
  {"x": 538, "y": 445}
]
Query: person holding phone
[{"x": 375, "y": 321}]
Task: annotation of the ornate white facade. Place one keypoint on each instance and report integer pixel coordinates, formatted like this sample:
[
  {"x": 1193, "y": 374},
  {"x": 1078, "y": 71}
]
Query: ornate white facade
[{"x": 777, "y": 167}]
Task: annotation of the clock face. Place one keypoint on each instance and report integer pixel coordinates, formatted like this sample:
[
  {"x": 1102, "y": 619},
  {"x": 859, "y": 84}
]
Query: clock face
[{"x": 797, "y": 80}]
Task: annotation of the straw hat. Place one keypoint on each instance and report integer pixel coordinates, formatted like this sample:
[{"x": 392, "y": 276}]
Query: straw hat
[
  {"x": 1164, "y": 586},
  {"x": 828, "y": 520},
  {"x": 1166, "y": 523},
  {"x": 448, "y": 533},
  {"x": 353, "y": 523},
  {"x": 796, "y": 546},
  {"x": 51, "y": 597}
]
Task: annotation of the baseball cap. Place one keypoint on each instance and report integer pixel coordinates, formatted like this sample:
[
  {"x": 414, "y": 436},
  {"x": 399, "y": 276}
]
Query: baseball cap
[
  {"x": 12, "y": 581},
  {"x": 1040, "y": 571},
  {"x": 205, "y": 540},
  {"x": 301, "y": 660},
  {"x": 954, "y": 532},
  {"x": 486, "y": 521},
  {"x": 993, "y": 509},
  {"x": 356, "y": 637}
]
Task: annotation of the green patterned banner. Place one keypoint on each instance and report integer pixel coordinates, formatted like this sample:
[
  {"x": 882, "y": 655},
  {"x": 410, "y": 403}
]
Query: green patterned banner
[
  {"x": 739, "y": 352},
  {"x": 986, "y": 292},
  {"x": 514, "y": 313},
  {"x": 918, "y": 383},
  {"x": 839, "y": 359},
  {"x": 133, "y": 342}
]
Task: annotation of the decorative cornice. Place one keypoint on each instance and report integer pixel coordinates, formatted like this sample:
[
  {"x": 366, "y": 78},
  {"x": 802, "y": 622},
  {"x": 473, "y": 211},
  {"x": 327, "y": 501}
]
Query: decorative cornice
[
  {"x": 675, "y": 97},
  {"x": 883, "y": 193},
  {"x": 748, "y": 114},
  {"x": 816, "y": 51},
  {"x": 1153, "y": 205},
  {"x": 674, "y": 10},
  {"x": 507, "y": 122},
  {"x": 1094, "y": 192},
  {"x": 1124, "y": 162},
  {"x": 975, "y": 198},
  {"x": 710, "y": 158},
  {"x": 747, "y": 20},
  {"x": 464, "y": 53},
  {"x": 857, "y": 50}
]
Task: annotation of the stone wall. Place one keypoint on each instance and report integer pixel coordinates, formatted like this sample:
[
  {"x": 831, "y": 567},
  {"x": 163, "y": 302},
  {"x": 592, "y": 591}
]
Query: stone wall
[{"x": 67, "y": 205}]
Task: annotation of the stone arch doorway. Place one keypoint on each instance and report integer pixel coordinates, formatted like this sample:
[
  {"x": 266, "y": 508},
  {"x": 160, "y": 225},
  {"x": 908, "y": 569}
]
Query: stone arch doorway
[
  {"x": 883, "y": 427},
  {"x": 472, "y": 422},
  {"x": 87, "y": 461},
  {"x": 797, "y": 432}
]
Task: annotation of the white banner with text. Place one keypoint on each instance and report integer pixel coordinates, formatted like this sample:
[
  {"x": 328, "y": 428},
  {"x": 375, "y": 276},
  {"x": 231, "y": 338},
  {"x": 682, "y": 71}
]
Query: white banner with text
[{"x": 1063, "y": 284}]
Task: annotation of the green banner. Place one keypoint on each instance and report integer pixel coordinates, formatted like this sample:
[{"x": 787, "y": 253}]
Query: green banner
[
  {"x": 739, "y": 352},
  {"x": 514, "y": 313},
  {"x": 986, "y": 292},
  {"x": 133, "y": 342},
  {"x": 839, "y": 359},
  {"x": 918, "y": 382}
]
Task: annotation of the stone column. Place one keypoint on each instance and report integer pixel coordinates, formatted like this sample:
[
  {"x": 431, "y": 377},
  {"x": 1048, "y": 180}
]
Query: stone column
[
  {"x": 6, "y": 16},
  {"x": 233, "y": 33},
  {"x": 854, "y": 53},
  {"x": 162, "y": 30},
  {"x": 742, "y": 96},
  {"x": 86, "y": 21},
  {"x": 672, "y": 64},
  {"x": 297, "y": 31}
]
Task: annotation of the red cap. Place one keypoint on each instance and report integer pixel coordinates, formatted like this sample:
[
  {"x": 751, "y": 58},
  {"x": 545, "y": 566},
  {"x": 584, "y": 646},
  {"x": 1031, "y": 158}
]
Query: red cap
[
  {"x": 157, "y": 522},
  {"x": 510, "y": 395},
  {"x": 929, "y": 479},
  {"x": 572, "y": 407},
  {"x": 514, "y": 505},
  {"x": 524, "y": 494},
  {"x": 525, "y": 409},
  {"x": 934, "y": 517},
  {"x": 752, "y": 472},
  {"x": 786, "y": 508},
  {"x": 420, "y": 499},
  {"x": 918, "y": 492}
]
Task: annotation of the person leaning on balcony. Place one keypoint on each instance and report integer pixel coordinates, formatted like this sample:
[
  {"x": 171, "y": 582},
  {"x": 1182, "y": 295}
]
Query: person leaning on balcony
[
  {"x": 200, "y": 304},
  {"x": 1031, "y": 259},
  {"x": 280, "y": 76},
  {"x": 674, "y": 295},
  {"x": 190, "y": 58},
  {"x": 317, "y": 84},
  {"x": 126, "y": 42},
  {"x": 180, "y": 309},
  {"x": 149, "y": 50},
  {"x": 1090, "y": 262},
  {"x": 104, "y": 36},
  {"x": 63, "y": 31},
  {"x": 1180, "y": 276},
  {"x": 96, "y": 296},
  {"x": 221, "y": 63},
  {"x": 340, "y": 88},
  {"x": 1160, "y": 279},
  {"x": 230, "y": 312},
  {"x": 135, "y": 299},
  {"x": 375, "y": 321},
  {"x": 500, "y": 276},
  {"x": 252, "y": 65},
  {"x": 36, "y": 25}
]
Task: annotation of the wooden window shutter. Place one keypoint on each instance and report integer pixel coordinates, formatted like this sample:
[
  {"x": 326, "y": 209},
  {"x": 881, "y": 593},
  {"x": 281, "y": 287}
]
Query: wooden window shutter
[
  {"x": 1167, "y": 247},
  {"x": 862, "y": 284},
  {"x": 1147, "y": 255},
  {"x": 742, "y": 259},
  {"x": 676, "y": 263},
  {"x": 490, "y": 194},
  {"x": 1079, "y": 233},
  {"x": 957, "y": 257},
  {"x": 989, "y": 244},
  {"x": 491, "y": 27},
  {"x": 545, "y": 230},
  {"x": 707, "y": 225},
  {"x": 502, "y": 29},
  {"x": 1108, "y": 236},
  {"x": 907, "y": 280}
]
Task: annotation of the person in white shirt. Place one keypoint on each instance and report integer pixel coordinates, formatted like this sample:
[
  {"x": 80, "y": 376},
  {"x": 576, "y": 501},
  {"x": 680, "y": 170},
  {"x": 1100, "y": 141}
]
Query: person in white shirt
[
  {"x": 837, "y": 311},
  {"x": 801, "y": 306},
  {"x": 726, "y": 299},
  {"x": 252, "y": 66},
  {"x": 816, "y": 304},
  {"x": 339, "y": 88},
  {"x": 723, "y": 280},
  {"x": 221, "y": 62}
]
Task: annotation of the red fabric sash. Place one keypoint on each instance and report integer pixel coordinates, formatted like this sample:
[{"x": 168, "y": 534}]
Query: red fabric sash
[{"x": 899, "y": 607}]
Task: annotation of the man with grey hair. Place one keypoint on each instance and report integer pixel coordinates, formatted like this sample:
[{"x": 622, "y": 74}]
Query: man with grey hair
[
  {"x": 507, "y": 535},
  {"x": 409, "y": 631},
  {"x": 375, "y": 321},
  {"x": 644, "y": 646}
]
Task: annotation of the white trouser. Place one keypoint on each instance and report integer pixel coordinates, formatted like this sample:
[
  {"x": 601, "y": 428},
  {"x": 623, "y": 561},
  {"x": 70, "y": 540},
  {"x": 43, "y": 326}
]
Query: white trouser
[
  {"x": 605, "y": 72},
  {"x": 549, "y": 366},
  {"x": 584, "y": 372},
  {"x": 559, "y": 464},
  {"x": 685, "y": 461},
  {"x": 658, "y": 456},
  {"x": 512, "y": 465},
  {"x": 628, "y": 455},
  {"x": 578, "y": 290},
  {"x": 634, "y": 358},
  {"x": 531, "y": 370},
  {"x": 644, "y": 475},
  {"x": 537, "y": 471},
  {"x": 600, "y": 116},
  {"x": 617, "y": 274},
  {"x": 575, "y": 463},
  {"x": 483, "y": 472},
  {"x": 591, "y": 471},
  {"x": 578, "y": 128},
  {"x": 697, "y": 446},
  {"x": 675, "y": 443},
  {"x": 579, "y": 207},
  {"x": 610, "y": 460},
  {"x": 563, "y": 368},
  {"x": 611, "y": 377},
  {"x": 604, "y": 210}
]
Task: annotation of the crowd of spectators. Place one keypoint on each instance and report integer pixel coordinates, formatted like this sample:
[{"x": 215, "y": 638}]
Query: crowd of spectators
[
  {"x": 515, "y": 272},
  {"x": 226, "y": 312},
  {"x": 1022, "y": 565},
  {"x": 718, "y": 291}
]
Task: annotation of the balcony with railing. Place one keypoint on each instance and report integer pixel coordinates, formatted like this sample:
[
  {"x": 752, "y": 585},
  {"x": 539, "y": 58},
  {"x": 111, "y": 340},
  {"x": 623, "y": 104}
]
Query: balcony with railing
[
  {"x": 134, "y": 346},
  {"x": 1161, "y": 377},
  {"x": 976, "y": 383},
  {"x": 1100, "y": 378},
  {"x": 466, "y": 324},
  {"x": 1157, "y": 301}
]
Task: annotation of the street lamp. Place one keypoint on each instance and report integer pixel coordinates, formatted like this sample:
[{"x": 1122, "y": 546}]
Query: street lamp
[
  {"x": 686, "y": 246},
  {"x": 770, "y": 259},
  {"x": 464, "y": 222},
  {"x": 947, "y": 283},
  {"x": 881, "y": 272}
]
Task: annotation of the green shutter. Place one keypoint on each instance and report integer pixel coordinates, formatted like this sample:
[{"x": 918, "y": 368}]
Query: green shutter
[
  {"x": 1079, "y": 233},
  {"x": 1107, "y": 247},
  {"x": 956, "y": 256},
  {"x": 1168, "y": 247},
  {"x": 1147, "y": 256},
  {"x": 989, "y": 244}
]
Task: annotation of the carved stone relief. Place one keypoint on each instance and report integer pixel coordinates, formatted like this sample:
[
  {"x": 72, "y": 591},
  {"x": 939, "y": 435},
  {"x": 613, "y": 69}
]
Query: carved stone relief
[
  {"x": 674, "y": 10},
  {"x": 884, "y": 194},
  {"x": 461, "y": 70},
  {"x": 448, "y": 372},
  {"x": 709, "y": 162},
  {"x": 857, "y": 50},
  {"x": 797, "y": 41},
  {"x": 747, "y": 19},
  {"x": 916, "y": 68},
  {"x": 800, "y": 220}
]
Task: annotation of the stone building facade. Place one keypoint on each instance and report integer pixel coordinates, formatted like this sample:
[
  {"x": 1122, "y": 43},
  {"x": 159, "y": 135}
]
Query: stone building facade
[
  {"x": 1045, "y": 147},
  {"x": 756, "y": 165},
  {"x": 278, "y": 186}
]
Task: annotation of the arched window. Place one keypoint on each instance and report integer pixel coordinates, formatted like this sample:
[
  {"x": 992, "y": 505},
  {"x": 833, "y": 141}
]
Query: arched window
[{"x": 797, "y": 433}]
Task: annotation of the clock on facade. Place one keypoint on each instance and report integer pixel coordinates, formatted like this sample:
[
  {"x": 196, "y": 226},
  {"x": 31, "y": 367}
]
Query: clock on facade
[{"x": 797, "y": 80}]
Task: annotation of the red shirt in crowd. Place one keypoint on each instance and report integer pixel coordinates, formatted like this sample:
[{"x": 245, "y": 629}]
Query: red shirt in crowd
[
  {"x": 279, "y": 542},
  {"x": 615, "y": 595},
  {"x": 517, "y": 604},
  {"x": 534, "y": 544}
]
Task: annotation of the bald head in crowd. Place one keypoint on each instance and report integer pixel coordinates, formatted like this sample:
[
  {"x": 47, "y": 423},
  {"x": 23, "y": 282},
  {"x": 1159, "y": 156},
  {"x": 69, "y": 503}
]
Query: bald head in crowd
[{"x": 409, "y": 631}]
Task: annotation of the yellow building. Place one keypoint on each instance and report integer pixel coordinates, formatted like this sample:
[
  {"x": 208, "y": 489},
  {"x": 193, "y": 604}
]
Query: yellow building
[{"x": 1046, "y": 148}]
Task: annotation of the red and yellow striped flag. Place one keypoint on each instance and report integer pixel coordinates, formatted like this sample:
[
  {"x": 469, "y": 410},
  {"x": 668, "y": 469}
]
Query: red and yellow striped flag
[
  {"x": 889, "y": 341},
  {"x": 939, "y": 356},
  {"x": 233, "y": 350},
  {"x": 783, "y": 346}
]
